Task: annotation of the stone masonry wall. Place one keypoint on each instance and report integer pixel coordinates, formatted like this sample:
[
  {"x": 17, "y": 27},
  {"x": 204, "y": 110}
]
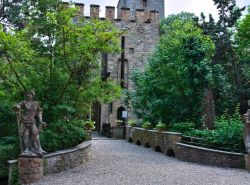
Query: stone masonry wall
[{"x": 207, "y": 156}]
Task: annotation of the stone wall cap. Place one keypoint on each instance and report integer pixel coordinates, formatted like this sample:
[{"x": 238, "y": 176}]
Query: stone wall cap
[
  {"x": 79, "y": 4},
  {"x": 111, "y": 7},
  {"x": 172, "y": 133},
  {"x": 140, "y": 10},
  {"x": 125, "y": 8},
  {"x": 83, "y": 145},
  {"x": 209, "y": 150},
  {"x": 12, "y": 161},
  {"x": 138, "y": 128},
  {"x": 94, "y": 5}
]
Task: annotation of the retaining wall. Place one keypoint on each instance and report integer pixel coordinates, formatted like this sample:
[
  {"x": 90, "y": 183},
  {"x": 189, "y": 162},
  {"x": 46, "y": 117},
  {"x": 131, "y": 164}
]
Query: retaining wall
[
  {"x": 170, "y": 144},
  {"x": 61, "y": 160}
]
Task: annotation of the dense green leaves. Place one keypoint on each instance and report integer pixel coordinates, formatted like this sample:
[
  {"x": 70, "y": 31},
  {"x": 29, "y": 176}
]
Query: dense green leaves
[{"x": 172, "y": 86}]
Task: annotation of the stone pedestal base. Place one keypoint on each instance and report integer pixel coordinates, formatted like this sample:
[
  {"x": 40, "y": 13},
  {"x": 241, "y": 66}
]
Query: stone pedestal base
[
  {"x": 247, "y": 162},
  {"x": 30, "y": 169}
]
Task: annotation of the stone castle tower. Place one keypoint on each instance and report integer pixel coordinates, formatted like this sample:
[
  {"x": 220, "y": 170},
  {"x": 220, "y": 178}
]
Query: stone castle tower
[{"x": 142, "y": 35}]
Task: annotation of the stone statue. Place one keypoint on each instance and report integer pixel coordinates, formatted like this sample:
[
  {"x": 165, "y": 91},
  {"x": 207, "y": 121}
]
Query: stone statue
[
  {"x": 26, "y": 112},
  {"x": 246, "y": 132}
]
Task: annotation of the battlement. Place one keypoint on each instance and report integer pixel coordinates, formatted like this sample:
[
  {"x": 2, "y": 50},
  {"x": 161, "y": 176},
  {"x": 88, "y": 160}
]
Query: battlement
[{"x": 124, "y": 14}]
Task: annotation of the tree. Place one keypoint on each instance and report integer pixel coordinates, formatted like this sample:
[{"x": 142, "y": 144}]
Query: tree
[
  {"x": 229, "y": 93},
  {"x": 173, "y": 85},
  {"x": 243, "y": 50},
  {"x": 57, "y": 53}
]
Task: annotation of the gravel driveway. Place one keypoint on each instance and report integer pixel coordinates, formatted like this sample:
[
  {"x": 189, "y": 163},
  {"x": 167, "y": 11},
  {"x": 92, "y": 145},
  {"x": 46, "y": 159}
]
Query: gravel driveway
[{"x": 117, "y": 162}]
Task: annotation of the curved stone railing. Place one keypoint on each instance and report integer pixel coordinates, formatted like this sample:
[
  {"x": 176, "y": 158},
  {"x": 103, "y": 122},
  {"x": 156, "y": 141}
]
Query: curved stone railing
[
  {"x": 60, "y": 160},
  {"x": 170, "y": 144},
  {"x": 208, "y": 156}
]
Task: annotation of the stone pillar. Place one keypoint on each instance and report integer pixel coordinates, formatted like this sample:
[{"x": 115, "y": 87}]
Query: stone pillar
[
  {"x": 30, "y": 169},
  {"x": 140, "y": 16},
  {"x": 247, "y": 162},
  {"x": 125, "y": 14},
  {"x": 81, "y": 9},
  {"x": 110, "y": 13},
  {"x": 94, "y": 11}
]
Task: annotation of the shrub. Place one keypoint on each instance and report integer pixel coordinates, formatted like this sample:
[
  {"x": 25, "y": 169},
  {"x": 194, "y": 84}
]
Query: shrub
[
  {"x": 228, "y": 132},
  {"x": 147, "y": 125},
  {"x": 7, "y": 152},
  {"x": 183, "y": 127},
  {"x": 160, "y": 126},
  {"x": 61, "y": 135}
]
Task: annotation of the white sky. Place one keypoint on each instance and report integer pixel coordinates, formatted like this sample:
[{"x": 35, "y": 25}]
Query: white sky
[{"x": 171, "y": 6}]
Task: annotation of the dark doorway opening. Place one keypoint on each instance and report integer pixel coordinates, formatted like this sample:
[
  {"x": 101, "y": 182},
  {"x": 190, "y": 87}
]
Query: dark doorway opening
[
  {"x": 96, "y": 117},
  {"x": 119, "y": 117}
]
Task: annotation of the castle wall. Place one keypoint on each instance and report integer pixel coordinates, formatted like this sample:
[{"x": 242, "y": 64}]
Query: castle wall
[{"x": 140, "y": 40}]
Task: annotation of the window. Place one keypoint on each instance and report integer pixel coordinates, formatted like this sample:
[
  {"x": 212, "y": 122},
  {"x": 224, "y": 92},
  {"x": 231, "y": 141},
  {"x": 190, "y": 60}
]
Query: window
[
  {"x": 131, "y": 50},
  {"x": 144, "y": 3}
]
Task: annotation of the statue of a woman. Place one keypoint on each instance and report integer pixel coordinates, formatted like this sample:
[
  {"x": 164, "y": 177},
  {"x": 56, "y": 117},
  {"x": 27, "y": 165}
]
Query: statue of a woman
[
  {"x": 246, "y": 132},
  {"x": 26, "y": 112}
]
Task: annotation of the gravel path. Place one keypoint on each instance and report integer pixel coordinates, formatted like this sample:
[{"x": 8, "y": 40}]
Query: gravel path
[{"x": 117, "y": 162}]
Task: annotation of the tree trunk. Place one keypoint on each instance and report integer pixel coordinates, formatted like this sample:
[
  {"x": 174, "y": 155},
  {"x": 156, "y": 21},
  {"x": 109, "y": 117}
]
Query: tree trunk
[{"x": 208, "y": 110}]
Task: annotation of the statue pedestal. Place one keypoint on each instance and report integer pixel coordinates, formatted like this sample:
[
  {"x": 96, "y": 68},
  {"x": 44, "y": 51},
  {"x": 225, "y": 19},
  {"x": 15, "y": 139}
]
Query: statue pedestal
[{"x": 30, "y": 169}]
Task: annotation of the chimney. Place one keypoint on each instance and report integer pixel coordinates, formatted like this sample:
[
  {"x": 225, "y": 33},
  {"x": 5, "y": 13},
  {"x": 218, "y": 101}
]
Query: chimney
[
  {"x": 81, "y": 9},
  {"x": 94, "y": 11},
  {"x": 125, "y": 14},
  {"x": 110, "y": 13}
]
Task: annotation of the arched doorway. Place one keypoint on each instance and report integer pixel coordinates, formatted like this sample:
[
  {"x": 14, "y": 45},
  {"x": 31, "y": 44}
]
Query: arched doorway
[
  {"x": 120, "y": 112},
  {"x": 119, "y": 115}
]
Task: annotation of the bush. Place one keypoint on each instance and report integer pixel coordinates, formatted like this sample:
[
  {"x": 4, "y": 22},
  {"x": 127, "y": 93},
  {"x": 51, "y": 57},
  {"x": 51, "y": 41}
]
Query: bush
[
  {"x": 7, "y": 152},
  {"x": 62, "y": 134},
  {"x": 147, "y": 125},
  {"x": 183, "y": 127},
  {"x": 228, "y": 132}
]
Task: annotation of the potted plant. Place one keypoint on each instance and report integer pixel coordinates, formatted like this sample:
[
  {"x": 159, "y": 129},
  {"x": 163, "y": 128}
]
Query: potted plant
[
  {"x": 132, "y": 123},
  {"x": 160, "y": 127},
  {"x": 89, "y": 125},
  {"x": 147, "y": 125},
  {"x": 118, "y": 122}
]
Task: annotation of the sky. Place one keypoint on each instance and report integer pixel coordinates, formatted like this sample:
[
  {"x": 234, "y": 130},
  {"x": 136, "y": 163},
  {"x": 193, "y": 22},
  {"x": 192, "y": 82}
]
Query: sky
[{"x": 171, "y": 6}]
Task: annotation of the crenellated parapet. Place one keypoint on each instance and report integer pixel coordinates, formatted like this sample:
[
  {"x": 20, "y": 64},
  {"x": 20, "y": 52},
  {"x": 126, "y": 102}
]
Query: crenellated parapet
[{"x": 124, "y": 14}]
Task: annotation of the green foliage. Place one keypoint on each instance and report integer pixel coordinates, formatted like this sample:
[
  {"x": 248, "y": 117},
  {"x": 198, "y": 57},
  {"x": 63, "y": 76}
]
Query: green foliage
[
  {"x": 61, "y": 135},
  {"x": 7, "y": 152},
  {"x": 49, "y": 49},
  {"x": 183, "y": 127},
  {"x": 161, "y": 126},
  {"x": 227, "y": 133},
  {"x": 147, "y": 125},
  {"x": 89, "y": 125},
  {"x": 243, "y": 41},
  {"x": 172, "y": 86}
]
